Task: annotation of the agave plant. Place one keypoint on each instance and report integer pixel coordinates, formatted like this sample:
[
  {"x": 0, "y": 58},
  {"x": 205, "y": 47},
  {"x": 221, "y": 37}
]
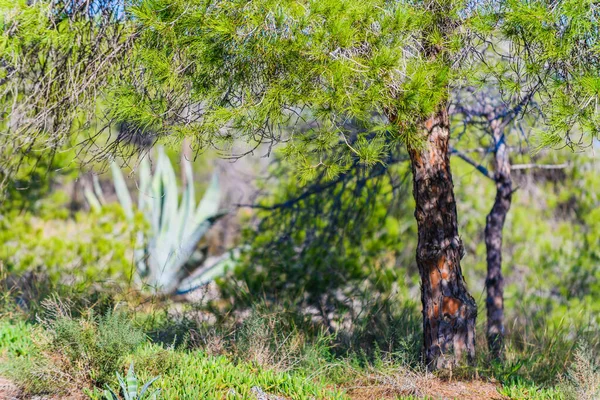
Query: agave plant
[
  {"x": 129, "y": 388},
  {"x": 167, "y": 258}
]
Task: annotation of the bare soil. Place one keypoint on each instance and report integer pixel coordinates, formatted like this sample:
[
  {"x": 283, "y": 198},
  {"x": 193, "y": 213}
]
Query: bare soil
[
  {"x": 428, "y": 388},
  {"x": 8, "y": 390}
]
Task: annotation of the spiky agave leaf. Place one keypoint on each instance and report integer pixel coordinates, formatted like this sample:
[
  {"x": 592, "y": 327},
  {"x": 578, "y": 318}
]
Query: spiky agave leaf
[
  {"x": 185, "y": 251},
  {"x": 170, "y": 230},
  {"x": 98, "y": 189},
  {"x": 176, "y": 227},
  {"x": 170, "y": 192},
  {"x": 123, "y": 385},
  {"x": 157, "y": 193},
  {"x": 209, "y": 205},
  {"x": 110, "y": 395},
  {"x": 132, "y": 383},
  {"x": 145, "y": 195},
  {"x": 92, "y": 200},
  {"x": 186, "y": 210},
  {"x": 147, "y": 386},
  {"x": 121, "y": 190},
  {"x": 213, "y": 267},
  {"x": 145, "y": 206},
  {"x": 159, "y": 246}
]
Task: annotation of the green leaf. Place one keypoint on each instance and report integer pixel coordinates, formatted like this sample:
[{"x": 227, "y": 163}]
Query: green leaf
[
  {"x": 110, "y": 395},
  {"x": 209, "y": 205},
  {"x": 92, "y": 200},
  {"x": 147, "y": 385},
  {"x": 121, "y": 190},
  {"x": 132, "y": 383}
]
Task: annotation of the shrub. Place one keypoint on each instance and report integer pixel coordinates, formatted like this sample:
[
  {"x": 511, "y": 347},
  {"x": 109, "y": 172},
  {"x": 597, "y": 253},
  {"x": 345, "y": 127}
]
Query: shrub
[
  {"x": 71, "y": 353},
  {"x": 195, "y": 375},
  {"x": 583, "y": 377},
  {"x": 92, "y": 247}
]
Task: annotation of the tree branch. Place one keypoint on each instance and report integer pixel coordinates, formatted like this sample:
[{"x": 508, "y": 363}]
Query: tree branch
[
  {"x": 311, "y": 190},
  {"x": 474, "y": 163},
  {"x": 541, "y": 166}
]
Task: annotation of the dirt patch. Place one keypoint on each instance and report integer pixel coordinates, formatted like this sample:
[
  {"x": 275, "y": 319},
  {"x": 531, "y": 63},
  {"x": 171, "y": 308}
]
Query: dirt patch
[
  {"x": 8, "y": 390},
  {"x": 468, "y": 390},
  {"x": 424, "y": 387}
]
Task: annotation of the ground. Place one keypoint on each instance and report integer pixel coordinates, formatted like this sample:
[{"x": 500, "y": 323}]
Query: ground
[{"x": 423, "y": 387}]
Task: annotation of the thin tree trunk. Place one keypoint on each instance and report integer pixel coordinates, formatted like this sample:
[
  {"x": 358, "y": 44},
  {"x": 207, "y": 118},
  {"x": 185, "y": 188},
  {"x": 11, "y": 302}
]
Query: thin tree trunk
[
  {"x": 493, "y": 241},
  {"x": 449, "y": 311}
]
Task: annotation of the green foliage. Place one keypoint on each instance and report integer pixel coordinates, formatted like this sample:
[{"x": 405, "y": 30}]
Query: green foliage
[
  {"x": 520, "y": 390},
  {"x": 326, "y": 246},
  {"x": 29, "y": 189},
  {"x": 583, "y": 377},
  {"x": 15, "y": 338},
  {"x": 550, "y": 269},
  {"x": 279, "y": 340},
  {"x": 92, "y": 247},
  {"x": 268, "y": 353},
  {"x": 168, "y": 255},
  {"x": 129, "y": 388},
  {"x": 73, "y": 353},
  {"x": 305, "y": 71},
  {"x": 96, "y": 344},
  {"x": 55, "y": 57},
  {"x": 69, "y": 355},
  {"x": 557, "y": 44},
  {"x": 273, "y": 70},
  {"x": 196, "y": 375}
]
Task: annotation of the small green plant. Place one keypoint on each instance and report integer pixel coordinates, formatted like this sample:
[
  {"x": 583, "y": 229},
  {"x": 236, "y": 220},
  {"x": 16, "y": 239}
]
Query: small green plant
[
  {"x": 519, "y": 389},
  {"x": 167, "y": 258},
  {"x": 129, "y": 388}
]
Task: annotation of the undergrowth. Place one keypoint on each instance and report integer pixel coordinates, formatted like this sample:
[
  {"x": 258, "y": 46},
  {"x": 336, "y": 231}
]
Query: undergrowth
[{"x": 267, "y": 350}]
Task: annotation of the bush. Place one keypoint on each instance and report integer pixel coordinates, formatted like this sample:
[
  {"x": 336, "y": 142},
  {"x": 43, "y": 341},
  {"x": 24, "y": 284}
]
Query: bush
[
  {"x": 71, "y": 354},
  {"x": 91, "y": 248},
  {"x": 276, "y": 339},
  {"x": 583, "y": 377}
]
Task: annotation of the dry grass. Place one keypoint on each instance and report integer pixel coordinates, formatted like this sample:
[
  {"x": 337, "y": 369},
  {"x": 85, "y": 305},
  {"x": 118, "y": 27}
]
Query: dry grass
[{"x": 404, "y": 382}]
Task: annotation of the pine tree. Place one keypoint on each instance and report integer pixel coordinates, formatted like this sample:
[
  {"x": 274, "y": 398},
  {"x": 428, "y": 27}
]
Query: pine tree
[
  {"x": 485, "y": 111},
  {"x": 299, "y": 72},
  {"x": 274, "y": 71},
  {"x": 541, "y": 74},
  {"x": 302, "y": 72}
]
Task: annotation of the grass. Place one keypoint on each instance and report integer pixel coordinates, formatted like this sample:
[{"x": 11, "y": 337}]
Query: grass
[
  {"x": 82, "y": 354},
  {"x": 198, "y": 375},
  {"x": 15, "y": 338},
  {"x": 268, "y": 351}
]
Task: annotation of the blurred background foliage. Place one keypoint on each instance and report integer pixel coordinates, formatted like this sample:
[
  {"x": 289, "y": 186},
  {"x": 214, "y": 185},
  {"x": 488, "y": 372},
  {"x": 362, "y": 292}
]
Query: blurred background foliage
[
  {"x": 326, "y": 262},
  {"x": 347, "y": 244},
  {"x": 327, "y": 258}
]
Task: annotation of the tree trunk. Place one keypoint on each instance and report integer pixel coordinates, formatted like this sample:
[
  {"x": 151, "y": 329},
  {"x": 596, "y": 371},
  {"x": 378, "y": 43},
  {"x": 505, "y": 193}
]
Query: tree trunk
[
  {"x": 449, "y": 311},
  {"x": 493, "y": 241}
]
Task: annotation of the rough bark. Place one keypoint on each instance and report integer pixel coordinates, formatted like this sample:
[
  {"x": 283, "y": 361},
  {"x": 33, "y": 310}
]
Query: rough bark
[
  {"x": 449, "y": 311},
  {"x": 493, "y": 241}
]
